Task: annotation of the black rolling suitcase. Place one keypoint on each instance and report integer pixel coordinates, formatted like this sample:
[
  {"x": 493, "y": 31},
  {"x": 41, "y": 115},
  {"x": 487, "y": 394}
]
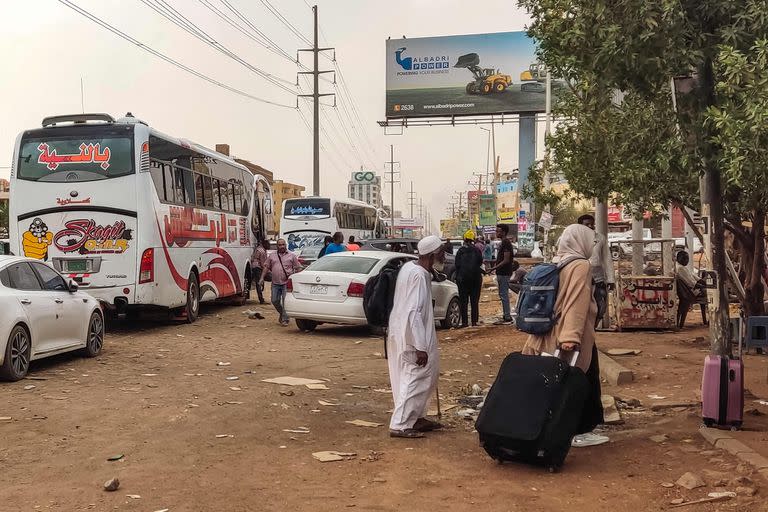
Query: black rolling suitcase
[{"x": 533, "y": 410}]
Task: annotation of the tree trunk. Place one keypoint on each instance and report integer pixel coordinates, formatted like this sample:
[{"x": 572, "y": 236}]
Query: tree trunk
[{"x": 754, "y": 264}]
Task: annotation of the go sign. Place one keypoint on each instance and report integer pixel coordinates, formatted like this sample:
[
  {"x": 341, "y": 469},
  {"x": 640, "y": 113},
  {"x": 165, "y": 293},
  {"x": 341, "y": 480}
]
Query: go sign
[{"x": 364, "y": 176}]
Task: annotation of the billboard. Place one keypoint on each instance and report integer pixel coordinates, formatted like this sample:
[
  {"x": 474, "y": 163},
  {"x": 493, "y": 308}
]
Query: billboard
[
  {"x": 487, "y": 210},
  {"x": 464, "y": 75}
]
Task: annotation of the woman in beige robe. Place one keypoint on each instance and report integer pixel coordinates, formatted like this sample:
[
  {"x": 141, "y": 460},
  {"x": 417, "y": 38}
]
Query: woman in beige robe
[{"x": 576, "y": 313}]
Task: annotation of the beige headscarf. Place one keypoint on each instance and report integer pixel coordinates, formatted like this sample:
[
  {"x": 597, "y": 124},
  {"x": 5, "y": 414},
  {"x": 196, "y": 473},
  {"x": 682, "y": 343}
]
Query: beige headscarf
[{"x": 577, "y": 241}]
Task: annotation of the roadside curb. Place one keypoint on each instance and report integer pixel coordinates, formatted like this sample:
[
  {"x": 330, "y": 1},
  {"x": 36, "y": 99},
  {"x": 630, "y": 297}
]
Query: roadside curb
[{"x": 724, "y": 441}]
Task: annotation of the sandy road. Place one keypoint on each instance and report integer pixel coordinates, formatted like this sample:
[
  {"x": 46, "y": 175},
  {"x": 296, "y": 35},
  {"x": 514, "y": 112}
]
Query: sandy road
[{"x": 158, "y": 397}]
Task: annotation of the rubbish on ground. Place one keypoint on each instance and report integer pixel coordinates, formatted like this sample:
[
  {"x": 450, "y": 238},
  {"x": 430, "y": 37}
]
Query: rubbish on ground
[
  {"x": 667, "y": 485},
  {"x": 382, "y": 390},
  {"x": 233, "y": 378},
  {"x": 702, "y": 500},
  {"x": 112, "y": 484},
  {"x": 253, "y": 315},
  {"x": 691, "y": 481},
  {"x": 317, "y": 386},
  {"x": 724, "y": 494},
  {"x": 149, "y": 375},
  {"x": 656, "y": 397},
  {"x": 299, "y": 430},
  {"x": 762, "y": 402},
  {"x": 349, "y": 394},
  {"x": 222, "y": 436},
  {"x": 292, "y": 381},
  {"x": 377, "y": 354},
  {"x": 328, "y": 403},
  {"x": 289, "y": 392},
  {"x": 471, "y": 400},
  {"x": 234, "y": 403},
  {"x": 363, "y": 423},
  {"x": 476, "y": 389},
  {"x": 623, "y": 351},
  {"x": 332, "y": 456},
  {"x": 661, "y": 438},
  {"x": 55, "y": 397},
  {"x": 611, "y": 414},
  {"x": 27, "y": 388},
  {"x": 222, "y": 363},
  {"x": 115, "y": 457},
  {"x": 235, "y": 388},
  {"x": 361, "y": 387},
  {"x": 36, "y": 378},
  {"x": 133, "y": 496},
  {"x": 674, "y": 405}
]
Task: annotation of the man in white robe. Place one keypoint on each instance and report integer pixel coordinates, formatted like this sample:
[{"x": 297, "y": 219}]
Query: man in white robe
[{"x": 412, "y": 344}]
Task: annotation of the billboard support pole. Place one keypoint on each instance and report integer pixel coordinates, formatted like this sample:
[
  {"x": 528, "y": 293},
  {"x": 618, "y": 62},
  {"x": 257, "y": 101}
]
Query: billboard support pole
[{"x": 392, "y": 182}]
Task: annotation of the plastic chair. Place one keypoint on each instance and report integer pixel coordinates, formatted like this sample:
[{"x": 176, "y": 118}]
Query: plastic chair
[{"x": 757, "y": 332}]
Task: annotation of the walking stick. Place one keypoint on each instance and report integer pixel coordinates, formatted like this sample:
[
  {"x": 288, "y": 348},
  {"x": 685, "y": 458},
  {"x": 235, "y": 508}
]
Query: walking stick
[{"x": 437, "y": 394}]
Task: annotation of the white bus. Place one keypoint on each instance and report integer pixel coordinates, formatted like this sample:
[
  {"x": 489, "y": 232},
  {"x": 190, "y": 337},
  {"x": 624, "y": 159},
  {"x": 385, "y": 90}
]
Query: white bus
[
  {"x": 306, "y": 221},
  {"x": 135, "y": 217}
]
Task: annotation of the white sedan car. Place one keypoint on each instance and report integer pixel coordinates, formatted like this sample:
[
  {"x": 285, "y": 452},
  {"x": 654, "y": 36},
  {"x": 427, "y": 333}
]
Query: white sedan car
[
  {"x": 42, "y": 315},
  {"x": 331, "y": 290}
]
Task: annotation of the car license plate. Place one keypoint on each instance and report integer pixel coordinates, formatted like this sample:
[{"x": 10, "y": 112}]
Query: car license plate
[
  {"x": 318, "y": 289},
  {"x": 77, "y": 265}
]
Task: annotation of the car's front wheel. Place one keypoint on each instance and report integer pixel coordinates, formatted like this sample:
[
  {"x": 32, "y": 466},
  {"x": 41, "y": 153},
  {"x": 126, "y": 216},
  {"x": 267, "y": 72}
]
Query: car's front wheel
[
  {"x": 17, "y": 355},
  {"x": 452, "y": 316},
  {"x": 95, "y": 340},
  {"x": 306, "y": 325}
]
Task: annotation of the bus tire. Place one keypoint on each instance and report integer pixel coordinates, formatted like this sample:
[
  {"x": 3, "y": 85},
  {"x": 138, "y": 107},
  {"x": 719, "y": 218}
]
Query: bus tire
[{"x": 192, "y": 308}]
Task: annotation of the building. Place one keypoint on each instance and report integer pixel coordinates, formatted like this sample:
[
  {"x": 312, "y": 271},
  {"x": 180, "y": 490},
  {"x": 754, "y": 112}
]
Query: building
[
  {"x": 254, "y": 168},
  {"x": 281, "y": 191},
  {"x": 366, "y": 186}
]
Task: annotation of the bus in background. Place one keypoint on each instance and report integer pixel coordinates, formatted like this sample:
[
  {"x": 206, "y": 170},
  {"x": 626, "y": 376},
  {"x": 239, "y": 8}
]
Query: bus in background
[
  {"x": 306, "y": 221},
  {"x": 135, "y": 217}
]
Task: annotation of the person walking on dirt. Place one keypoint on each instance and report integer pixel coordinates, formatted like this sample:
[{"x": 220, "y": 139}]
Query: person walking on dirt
[
  {"x": 337, "y": 245},
  {"x": 258, "y": 260},
  {"x": 412, "y": 344},
  {"x": 504, "y": 267},
  {"x": 602, "y": 268},
  {"x": 576, "y": 311},
  {"x": 469, "y": 278},
  {"x": 281, "y": 264}
]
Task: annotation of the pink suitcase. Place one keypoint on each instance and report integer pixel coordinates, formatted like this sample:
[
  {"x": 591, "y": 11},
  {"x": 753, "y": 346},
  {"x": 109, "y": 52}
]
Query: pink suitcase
[{"x": 722, "y": 391}]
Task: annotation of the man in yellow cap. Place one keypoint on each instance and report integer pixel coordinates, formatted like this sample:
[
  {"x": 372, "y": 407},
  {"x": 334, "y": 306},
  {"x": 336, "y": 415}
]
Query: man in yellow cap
[{"x": 469, "y": 278}]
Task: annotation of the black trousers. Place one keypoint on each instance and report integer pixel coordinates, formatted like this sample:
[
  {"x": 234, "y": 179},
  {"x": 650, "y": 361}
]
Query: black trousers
[
  {"x": 256, "y": 277},
  {"x": 469, "y": 293}
]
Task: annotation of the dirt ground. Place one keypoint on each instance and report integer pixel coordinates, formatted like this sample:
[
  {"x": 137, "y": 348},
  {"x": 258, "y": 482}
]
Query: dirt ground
[{"x": 158, "y": 397}]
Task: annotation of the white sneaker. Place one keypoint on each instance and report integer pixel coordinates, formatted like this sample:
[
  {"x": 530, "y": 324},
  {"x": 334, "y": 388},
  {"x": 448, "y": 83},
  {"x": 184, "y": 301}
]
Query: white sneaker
[{"x": 589, "y": 439}]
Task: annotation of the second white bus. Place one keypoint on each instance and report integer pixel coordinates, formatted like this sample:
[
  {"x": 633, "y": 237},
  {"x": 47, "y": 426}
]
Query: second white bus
[{"x": 306, "y": 221}]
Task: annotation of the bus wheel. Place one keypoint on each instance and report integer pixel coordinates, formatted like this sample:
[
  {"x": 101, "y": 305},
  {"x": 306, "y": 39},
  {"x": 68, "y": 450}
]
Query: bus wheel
[
  {"x": 241, "y": 299},
  {"x": 193, "y": 298}
]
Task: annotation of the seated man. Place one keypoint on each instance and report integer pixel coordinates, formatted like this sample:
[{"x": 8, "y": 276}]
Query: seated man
[{"x": 690, "y": 290}]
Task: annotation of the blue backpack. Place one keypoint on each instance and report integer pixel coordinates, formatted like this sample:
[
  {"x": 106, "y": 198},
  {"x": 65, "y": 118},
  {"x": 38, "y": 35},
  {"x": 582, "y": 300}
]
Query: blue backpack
[{"x": 536, "y": 304}]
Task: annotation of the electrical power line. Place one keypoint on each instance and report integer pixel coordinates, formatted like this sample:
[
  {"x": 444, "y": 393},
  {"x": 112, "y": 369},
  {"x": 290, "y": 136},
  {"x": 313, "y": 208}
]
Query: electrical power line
[
  {"x": 285, "y": 22},
  {"x": 164, "y": 57},
  {"x": 188, "y": 26}
]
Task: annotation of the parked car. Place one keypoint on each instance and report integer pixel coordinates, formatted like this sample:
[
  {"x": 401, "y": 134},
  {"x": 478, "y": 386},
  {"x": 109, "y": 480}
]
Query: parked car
[
  {"x": 41, "y": 314},
  {"x": 308, "y": 255},
  {"x": 409, "y": 246},
  {"x": 331, "y": 290}
]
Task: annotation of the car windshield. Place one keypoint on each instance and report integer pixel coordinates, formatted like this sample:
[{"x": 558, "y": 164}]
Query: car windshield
[{"x": 349, "y": 264}]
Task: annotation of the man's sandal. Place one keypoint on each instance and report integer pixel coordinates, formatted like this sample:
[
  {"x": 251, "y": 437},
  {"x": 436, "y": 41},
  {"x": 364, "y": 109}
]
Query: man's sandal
[{"x": 425, "y": 425}]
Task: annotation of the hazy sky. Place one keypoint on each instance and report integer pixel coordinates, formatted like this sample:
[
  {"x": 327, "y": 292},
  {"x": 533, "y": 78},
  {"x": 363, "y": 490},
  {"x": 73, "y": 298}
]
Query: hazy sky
[{"x": 46, "y": 48}]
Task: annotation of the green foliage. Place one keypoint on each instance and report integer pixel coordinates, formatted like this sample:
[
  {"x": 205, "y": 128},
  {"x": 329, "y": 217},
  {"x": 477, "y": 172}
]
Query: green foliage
[{"x": 4, "y": 217}]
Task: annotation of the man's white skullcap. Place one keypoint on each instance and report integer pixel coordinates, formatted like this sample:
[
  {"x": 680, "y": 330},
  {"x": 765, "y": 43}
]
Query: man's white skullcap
[{"x": 429, "y": 244}]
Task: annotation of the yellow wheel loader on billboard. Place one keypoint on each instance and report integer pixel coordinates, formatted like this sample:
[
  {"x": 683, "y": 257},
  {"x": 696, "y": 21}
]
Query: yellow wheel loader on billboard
[{"x": 487, "y": 80}]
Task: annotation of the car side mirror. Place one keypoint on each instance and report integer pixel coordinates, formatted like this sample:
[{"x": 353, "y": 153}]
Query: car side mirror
[{"x": 72, "y": 285}]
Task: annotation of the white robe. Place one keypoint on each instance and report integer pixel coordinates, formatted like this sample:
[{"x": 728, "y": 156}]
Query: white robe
[{"x": 411, "y": 328}]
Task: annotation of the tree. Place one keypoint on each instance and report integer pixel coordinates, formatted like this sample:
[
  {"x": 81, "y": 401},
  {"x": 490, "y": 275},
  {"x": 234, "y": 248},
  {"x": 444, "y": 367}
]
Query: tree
[
  {"x": 4, "y": 217},
  {"x": 638, "y": 148}
]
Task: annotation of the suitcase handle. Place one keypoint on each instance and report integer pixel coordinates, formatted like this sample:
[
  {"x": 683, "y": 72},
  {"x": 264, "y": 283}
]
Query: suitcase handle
[{"x": 574, "y": 357}]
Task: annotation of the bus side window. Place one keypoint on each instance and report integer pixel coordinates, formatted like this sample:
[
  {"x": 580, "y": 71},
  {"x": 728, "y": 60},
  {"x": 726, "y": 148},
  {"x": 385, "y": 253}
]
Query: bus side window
[
  {"x": 216, "y": 193},
  {"x": 235, "y": 191},
  {"x": 208, "y": 191},
  {"x": 226, "y": 196},
  {"x": 156, "y": 170},
  {"x": 168, "y": 183},
  {"x": 185, "y": 180}
]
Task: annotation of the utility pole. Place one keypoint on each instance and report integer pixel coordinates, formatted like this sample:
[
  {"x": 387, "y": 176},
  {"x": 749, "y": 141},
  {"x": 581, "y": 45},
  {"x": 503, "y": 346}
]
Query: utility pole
[
  {"x": 316, "y": 101},
  {"x": 392, "y": 183},
  {"x": 411, "y": 199}
]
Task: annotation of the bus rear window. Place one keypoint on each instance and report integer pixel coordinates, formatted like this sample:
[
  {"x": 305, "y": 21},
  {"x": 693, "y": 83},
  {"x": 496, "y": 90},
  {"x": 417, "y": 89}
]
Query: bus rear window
[
  {"x": 73, "y": 158},
  {"x": 316, "y": 208}
]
